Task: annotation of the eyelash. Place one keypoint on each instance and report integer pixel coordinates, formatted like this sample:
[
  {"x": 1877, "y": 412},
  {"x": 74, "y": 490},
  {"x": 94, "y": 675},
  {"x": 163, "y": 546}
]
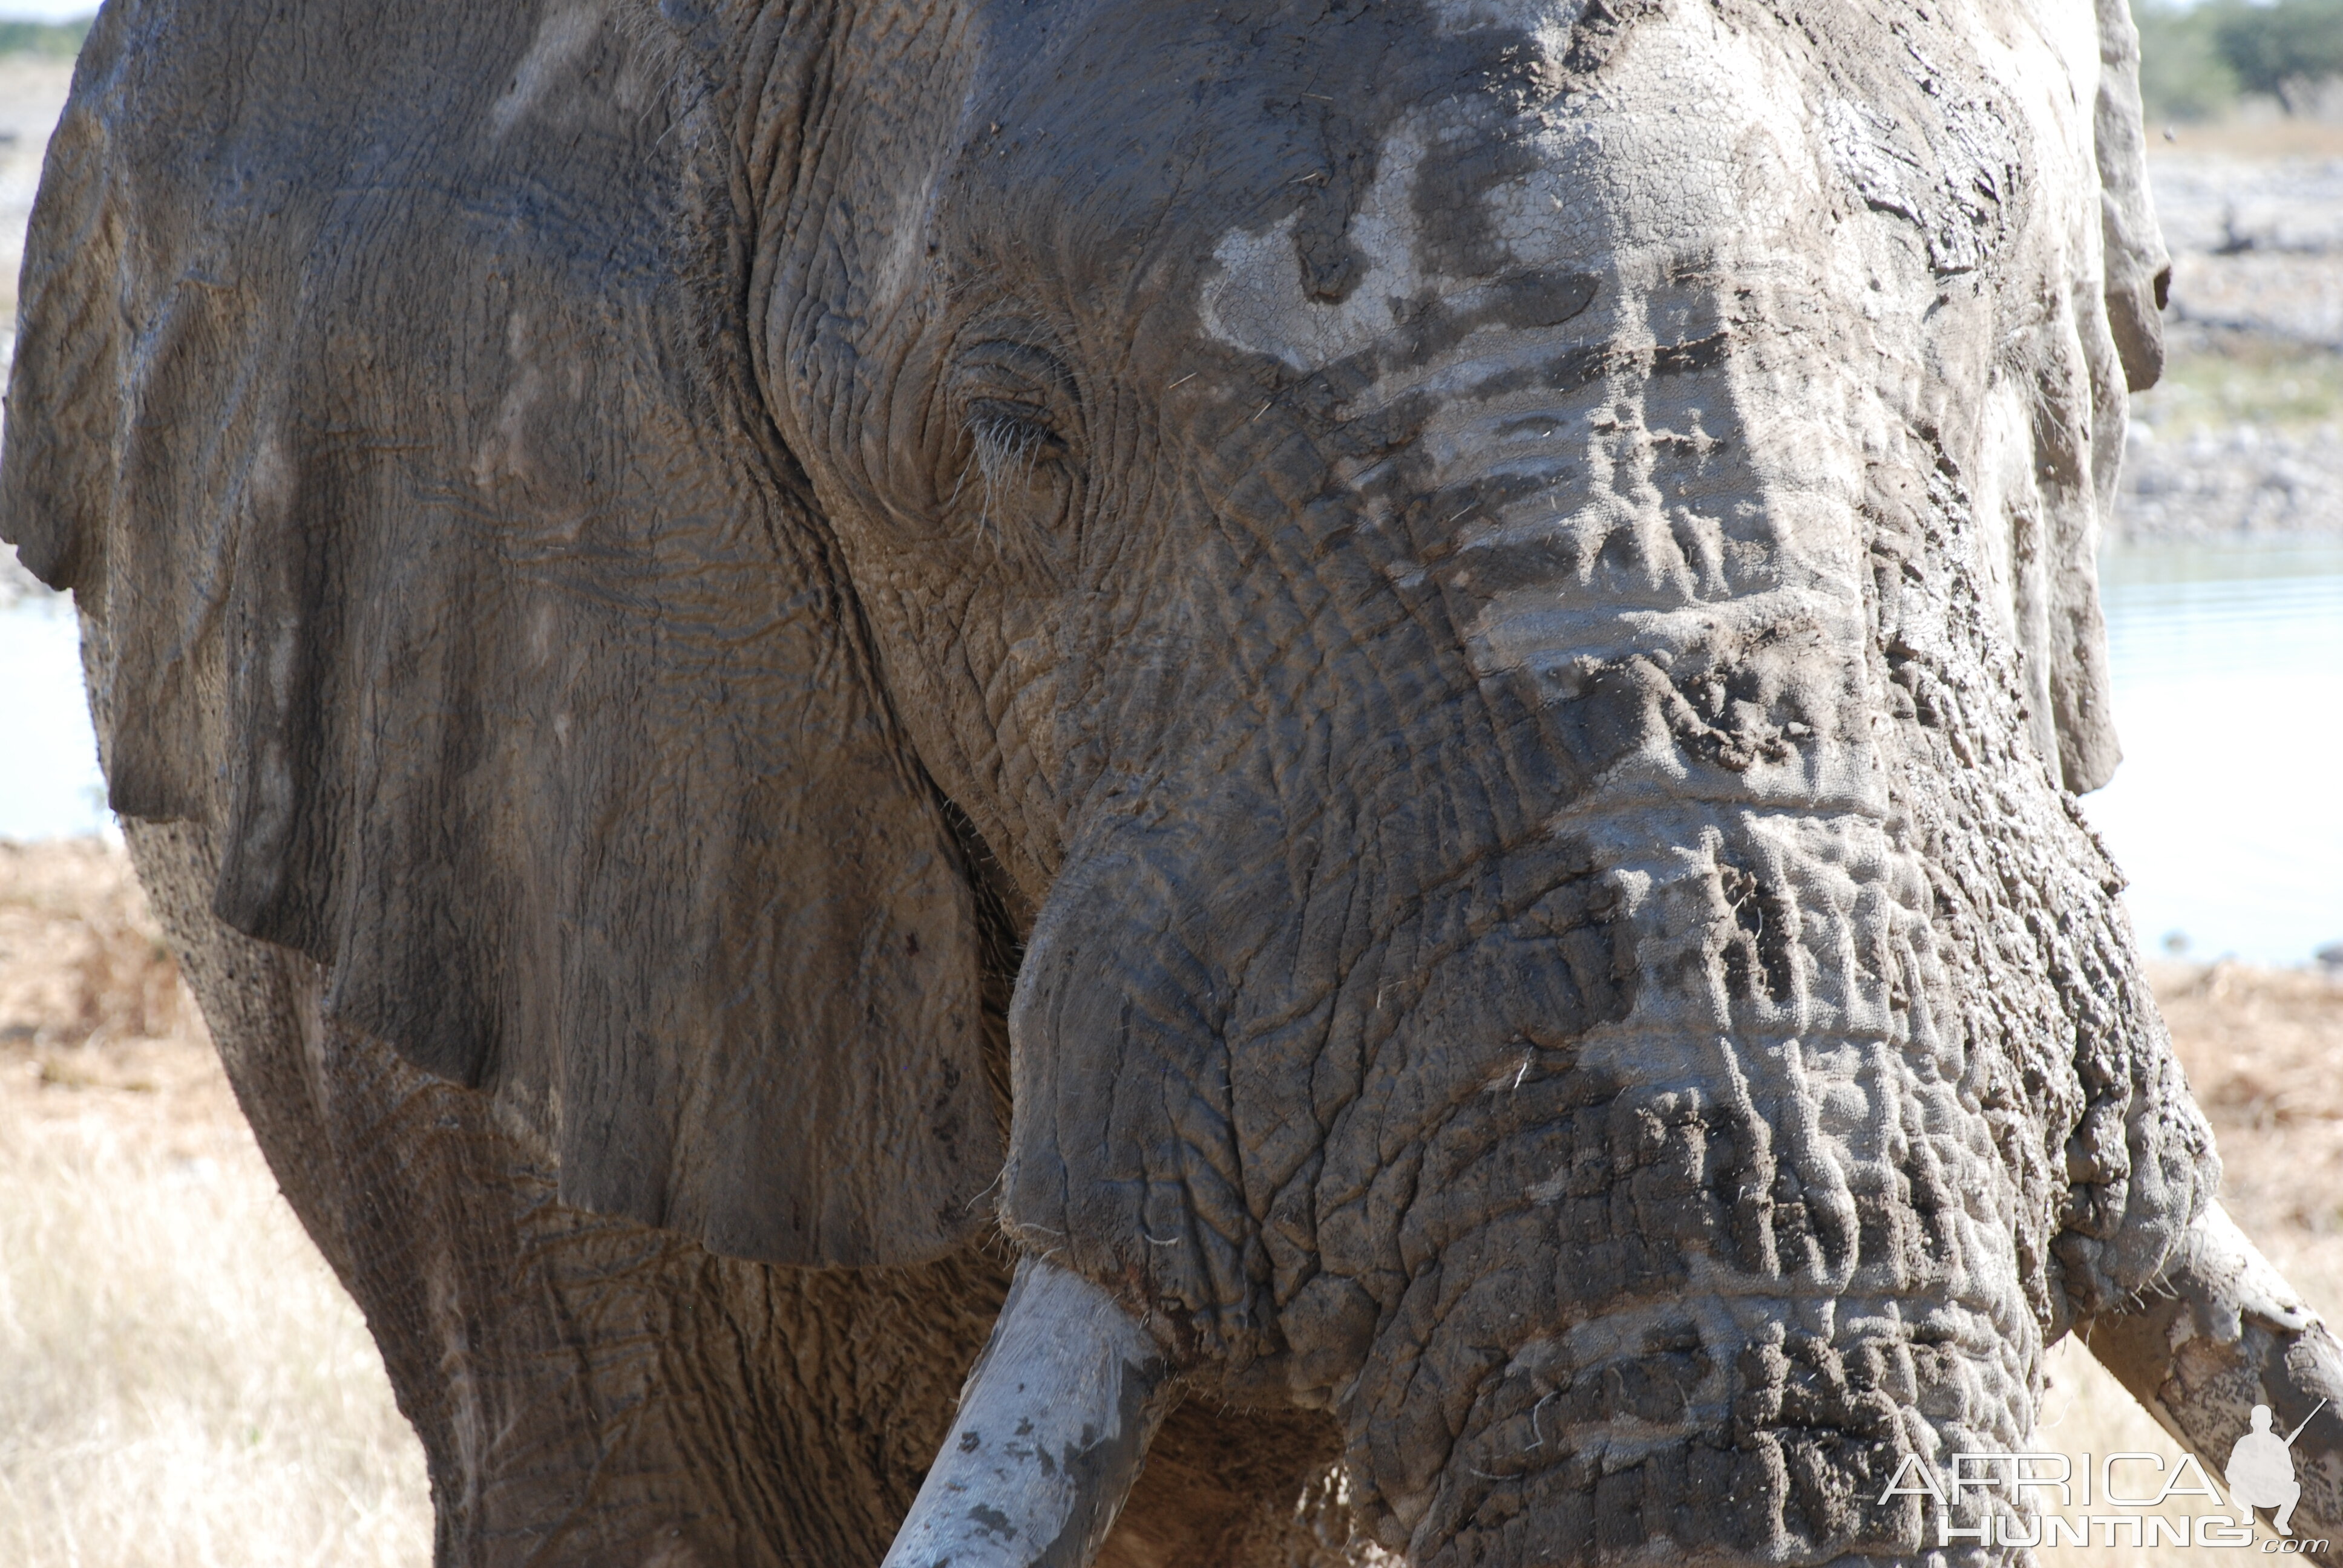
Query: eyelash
[
  {"x": 1007, "y": 441},
  {"x": 1008, "y": 436}
]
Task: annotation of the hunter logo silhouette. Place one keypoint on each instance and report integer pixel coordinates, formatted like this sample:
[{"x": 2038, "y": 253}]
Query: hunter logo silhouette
[{"x": 2261, "y": 1469}]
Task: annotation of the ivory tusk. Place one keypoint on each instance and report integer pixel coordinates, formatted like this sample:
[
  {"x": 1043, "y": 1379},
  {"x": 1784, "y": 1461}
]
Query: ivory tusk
[
  {"x": 1053, "y": 1431},
  {"x": 2222, "y": 1333}
]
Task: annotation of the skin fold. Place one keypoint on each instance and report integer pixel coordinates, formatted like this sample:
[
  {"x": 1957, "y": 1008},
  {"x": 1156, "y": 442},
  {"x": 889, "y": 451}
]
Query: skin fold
[{"x": 1388, "y": 693}]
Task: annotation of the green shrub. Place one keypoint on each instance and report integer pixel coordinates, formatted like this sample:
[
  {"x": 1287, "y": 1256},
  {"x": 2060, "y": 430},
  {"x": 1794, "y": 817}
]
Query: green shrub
[
  {"x": 2194, "y": 60},
  {"x": 56, "y": 40},
  {"x": 2183, "y": 74},
  {"x": 2285, "y": 50}
]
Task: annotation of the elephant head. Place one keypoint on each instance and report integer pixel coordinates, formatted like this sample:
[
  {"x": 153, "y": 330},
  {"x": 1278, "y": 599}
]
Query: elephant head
[{"x": 1472, "y": 618}]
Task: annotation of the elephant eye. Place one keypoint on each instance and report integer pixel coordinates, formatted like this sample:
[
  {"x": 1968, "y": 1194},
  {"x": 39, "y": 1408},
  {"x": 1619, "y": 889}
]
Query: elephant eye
[
  {"x": 1017, "y": 417},
  {"x": 1009, "y": 437}
]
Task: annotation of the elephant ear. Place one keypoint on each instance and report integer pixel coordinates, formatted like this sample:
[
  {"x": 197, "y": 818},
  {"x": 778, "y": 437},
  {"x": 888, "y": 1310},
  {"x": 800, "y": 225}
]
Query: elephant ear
[
  {"x": 382, "y": 393},
  {"x": 2138, "y": 267},
  {"x": 2123, "y": 351}
]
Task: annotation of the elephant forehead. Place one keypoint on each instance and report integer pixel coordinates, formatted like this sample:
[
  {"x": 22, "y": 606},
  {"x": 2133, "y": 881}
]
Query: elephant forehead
[
  {"x": 1689, "y": 137},
  {"x": 1692, "y": 134}
]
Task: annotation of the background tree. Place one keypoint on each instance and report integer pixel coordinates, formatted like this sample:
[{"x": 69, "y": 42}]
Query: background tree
[{"x": 2196, "y": 60}]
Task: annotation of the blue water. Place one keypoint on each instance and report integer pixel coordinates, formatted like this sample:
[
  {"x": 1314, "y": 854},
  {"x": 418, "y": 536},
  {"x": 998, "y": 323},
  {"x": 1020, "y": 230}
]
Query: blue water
[
  {"x": 2227, "y": 814},
  {"x": 2228, "y": 811},
  {"x": 49, "y": 783}
]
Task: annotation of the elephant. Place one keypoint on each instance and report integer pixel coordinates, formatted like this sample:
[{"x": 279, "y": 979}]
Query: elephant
[{"x": 1226, "y": 782}]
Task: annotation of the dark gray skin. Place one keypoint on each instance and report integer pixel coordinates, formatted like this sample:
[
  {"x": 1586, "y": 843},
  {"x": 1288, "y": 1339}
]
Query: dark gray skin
[{"x": 1394, "y": 679}]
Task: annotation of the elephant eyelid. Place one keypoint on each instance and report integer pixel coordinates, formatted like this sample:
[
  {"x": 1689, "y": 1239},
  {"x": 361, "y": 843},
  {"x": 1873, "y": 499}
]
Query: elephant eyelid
[
  {"x": 1009, "y": 423},
  {"x": 1000, "y": 379}
]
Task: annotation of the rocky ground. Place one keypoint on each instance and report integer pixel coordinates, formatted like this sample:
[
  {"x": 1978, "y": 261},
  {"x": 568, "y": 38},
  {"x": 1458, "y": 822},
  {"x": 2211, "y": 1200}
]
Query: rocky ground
[{"x": 2246, "y": 435}]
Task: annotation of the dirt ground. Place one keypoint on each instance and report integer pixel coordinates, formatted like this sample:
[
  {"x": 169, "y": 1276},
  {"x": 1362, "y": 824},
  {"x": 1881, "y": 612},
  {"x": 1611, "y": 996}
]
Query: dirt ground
[
  {"x": 2264, "y": 1052},
  {"x": 183, "y": 1382}
]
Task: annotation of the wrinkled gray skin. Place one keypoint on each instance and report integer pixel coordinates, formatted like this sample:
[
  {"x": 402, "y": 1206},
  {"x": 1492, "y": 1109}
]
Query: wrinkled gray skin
[{"x": 1391, "y": 682}]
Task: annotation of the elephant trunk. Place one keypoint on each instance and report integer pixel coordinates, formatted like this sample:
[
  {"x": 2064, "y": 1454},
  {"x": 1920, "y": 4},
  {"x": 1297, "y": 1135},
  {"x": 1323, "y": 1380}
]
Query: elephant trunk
[
  {"x": 1052, "y": 1430},
  {"x": 1625, "y": 1077},
  {"x": 1627, "y": 1021}
]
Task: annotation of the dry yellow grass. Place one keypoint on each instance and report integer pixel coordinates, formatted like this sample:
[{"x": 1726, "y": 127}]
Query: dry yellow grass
[{"x": 183, "y": 1381}]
